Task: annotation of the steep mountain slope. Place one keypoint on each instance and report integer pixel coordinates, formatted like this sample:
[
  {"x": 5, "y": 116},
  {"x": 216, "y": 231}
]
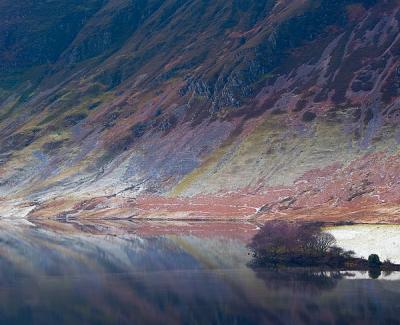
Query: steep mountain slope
[{"x": 251, "y": 107}]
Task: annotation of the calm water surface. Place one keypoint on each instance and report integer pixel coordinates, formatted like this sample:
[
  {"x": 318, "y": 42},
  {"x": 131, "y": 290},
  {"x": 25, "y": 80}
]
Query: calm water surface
[
  {"x": 383, "y": 240},
  {"x": 78, "y": 277}
]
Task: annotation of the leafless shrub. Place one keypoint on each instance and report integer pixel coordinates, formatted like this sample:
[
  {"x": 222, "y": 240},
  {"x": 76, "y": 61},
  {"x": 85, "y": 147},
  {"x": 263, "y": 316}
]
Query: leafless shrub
[{"x": 281, "y": 237}]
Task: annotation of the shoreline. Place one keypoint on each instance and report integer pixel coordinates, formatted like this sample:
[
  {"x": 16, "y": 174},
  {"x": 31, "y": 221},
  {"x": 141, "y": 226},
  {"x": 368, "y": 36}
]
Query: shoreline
[
  {"x": 166, "y": 220},
  {"x": 323, "y": 263},
  {"x": 234, "y": 229},
  {"x": 225, "y": 208}
]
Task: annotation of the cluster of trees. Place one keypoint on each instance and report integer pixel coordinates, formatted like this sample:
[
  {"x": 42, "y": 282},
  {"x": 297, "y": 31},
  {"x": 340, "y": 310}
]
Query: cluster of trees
[
  {"x": 296, "y": 243},
  {"x": 306, "y": 244},
  {"x": 281, "y": 237}
]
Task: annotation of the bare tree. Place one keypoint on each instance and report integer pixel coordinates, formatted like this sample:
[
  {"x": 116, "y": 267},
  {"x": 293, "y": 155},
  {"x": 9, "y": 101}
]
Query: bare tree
[
  {"x": 286, "y": 238},
  {"x": 322, "y": 242}
]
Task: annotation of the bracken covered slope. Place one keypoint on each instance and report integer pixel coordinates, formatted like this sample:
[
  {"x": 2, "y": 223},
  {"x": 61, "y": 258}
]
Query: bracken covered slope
[{"x": 200, "y": 108}]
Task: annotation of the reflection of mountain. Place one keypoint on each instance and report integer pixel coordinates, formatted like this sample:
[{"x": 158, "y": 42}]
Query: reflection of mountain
[
  {"x": 106, "y": 278},
  {"x": 48, "y": 278},
  {"x": 383, "y": 240}
]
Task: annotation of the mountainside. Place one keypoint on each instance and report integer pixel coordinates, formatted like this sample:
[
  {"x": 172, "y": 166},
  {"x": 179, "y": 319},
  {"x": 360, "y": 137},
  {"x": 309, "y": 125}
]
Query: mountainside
[{"x": 198, "y": 108}]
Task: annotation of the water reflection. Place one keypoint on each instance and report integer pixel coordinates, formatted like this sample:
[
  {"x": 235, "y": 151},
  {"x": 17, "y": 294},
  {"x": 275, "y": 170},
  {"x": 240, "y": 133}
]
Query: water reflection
[
  {"x": 302, "y": 280},
  {"x": 383, "y": 240},
  {"x": 49, "y": 277}
]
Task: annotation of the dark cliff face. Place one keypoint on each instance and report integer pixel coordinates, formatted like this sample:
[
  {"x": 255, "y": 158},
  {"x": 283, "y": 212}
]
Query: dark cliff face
[
  {"x": 189, "y": 97},
  {"x": 35, "y": 33}
]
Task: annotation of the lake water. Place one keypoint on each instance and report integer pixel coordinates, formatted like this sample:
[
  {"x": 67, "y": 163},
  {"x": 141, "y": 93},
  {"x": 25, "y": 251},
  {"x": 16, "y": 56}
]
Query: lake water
[
  {"x": 383, "y": 240},
  {"x": 105, "y": 275}
]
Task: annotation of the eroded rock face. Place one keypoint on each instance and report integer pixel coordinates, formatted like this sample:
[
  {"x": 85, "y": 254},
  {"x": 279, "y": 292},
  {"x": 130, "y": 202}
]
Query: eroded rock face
[{"x": 293, "y": 102}]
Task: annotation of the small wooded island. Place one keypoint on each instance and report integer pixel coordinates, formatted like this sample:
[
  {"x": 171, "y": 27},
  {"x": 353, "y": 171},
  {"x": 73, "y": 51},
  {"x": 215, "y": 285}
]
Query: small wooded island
[{"x": 291, "y": 244}]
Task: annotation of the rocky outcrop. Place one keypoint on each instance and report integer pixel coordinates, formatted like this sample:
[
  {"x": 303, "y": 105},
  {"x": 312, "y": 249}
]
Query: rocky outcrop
[{"x": 293, "y": 102}]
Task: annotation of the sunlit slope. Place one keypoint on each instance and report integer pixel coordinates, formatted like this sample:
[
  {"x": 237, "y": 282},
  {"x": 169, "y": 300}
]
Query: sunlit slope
[{"x": 185, "y": 98}]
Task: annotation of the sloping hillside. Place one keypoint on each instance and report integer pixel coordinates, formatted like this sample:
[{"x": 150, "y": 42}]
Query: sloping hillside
[{"x": 200, "y": 108}]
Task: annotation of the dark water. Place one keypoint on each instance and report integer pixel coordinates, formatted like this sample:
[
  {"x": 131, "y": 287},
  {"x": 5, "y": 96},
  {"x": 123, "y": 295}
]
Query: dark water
[{"x": 51, "y": 277}]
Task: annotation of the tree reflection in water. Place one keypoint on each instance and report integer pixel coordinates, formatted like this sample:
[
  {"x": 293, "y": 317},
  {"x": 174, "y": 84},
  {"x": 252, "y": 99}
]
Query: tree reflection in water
[
  {"x": 49, "y": 277},
  {"x": 300, "y": 280}
]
